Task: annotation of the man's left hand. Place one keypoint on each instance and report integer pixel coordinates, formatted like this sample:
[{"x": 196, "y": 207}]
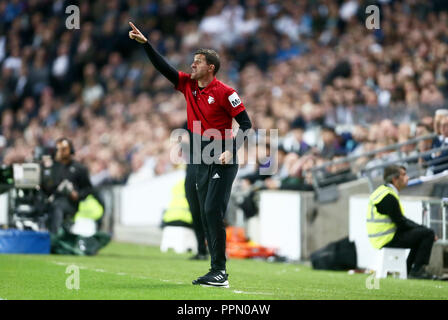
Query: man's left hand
[
  {"x": 74, "y": 195},
  {"x": 225, "y": 157}
]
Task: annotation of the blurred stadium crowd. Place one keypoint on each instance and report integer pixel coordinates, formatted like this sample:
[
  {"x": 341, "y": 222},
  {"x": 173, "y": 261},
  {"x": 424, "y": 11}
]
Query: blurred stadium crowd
[{"x": 306, "y": 68}]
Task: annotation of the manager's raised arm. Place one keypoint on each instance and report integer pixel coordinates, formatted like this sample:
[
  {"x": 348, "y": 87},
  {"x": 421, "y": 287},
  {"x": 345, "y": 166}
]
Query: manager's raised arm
[{"x": 156, "y": 58}]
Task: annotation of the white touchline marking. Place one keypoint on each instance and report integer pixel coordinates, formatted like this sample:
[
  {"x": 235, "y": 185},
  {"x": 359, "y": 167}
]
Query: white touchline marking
[
  {"x": 147, "y": 278},
  {"x": 3, "y": 298},
  {"x": 68, "y": 264},
  {"x": 115, "y": 273},
  {"x": 244, "y": 292}
]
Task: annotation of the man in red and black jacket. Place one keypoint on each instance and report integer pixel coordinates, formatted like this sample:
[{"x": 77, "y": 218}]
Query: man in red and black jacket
[{"x": 211, "y": 106}]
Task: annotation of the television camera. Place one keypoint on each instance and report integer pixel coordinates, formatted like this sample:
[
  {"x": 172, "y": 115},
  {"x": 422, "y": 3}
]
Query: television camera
[{"x": 27, "y": 201}]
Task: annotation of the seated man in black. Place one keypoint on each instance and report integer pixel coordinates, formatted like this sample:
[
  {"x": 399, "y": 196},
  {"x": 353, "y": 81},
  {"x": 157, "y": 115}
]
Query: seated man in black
[{"x": 388, "y": 227}]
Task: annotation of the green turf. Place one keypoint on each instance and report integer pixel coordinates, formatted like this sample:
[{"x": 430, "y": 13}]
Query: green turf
[{"x": 129, "y": 271}]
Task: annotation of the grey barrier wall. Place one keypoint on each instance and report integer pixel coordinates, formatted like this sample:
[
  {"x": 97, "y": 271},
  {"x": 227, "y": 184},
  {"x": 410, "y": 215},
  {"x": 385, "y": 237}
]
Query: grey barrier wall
[
  {"x": 149, "y": 235},
  {"x": 327, "y": 222}
]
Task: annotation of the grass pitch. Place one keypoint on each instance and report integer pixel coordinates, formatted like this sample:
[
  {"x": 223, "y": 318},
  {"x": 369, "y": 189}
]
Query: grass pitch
[{"x": 129, "y": 271}]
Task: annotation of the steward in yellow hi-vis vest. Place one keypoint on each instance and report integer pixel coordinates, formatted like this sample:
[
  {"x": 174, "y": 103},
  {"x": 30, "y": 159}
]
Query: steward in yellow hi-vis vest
[
  {"x": 89, "y": 208},
  {"x": 380, "y": 227},
  {"x": 178, "y": 211},
  {"x": 388, "y": 227}
]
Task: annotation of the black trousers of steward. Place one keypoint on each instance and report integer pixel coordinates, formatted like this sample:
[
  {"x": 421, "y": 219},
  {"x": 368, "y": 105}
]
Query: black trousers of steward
[{"x": 419, "y": 240}]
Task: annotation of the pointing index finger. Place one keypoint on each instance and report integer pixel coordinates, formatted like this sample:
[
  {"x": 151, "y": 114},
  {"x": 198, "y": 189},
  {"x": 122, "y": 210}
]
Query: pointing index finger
[{"x": 132, "y": 26}]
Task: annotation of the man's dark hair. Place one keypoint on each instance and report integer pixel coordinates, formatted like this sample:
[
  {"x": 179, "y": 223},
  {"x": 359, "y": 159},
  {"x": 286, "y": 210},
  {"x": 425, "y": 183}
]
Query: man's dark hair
[
  {"x": 298, "y": 123},
  {"x": 211, "y": 57},
  {"x": 329, "y": 128},
  {"x": 392, "y": 171},
  {"x": 70, "y": 143},
  {"x": 426, "y": 126}
]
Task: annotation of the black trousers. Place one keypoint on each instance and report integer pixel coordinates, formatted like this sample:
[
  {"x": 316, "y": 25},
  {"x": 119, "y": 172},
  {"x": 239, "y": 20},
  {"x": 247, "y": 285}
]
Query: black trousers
[
  {"x": 420, "y": 240},
  {"x": 193, "y": 201},
  {"x": 213, "y": 186},
  {"x": 61, "y": 210}
]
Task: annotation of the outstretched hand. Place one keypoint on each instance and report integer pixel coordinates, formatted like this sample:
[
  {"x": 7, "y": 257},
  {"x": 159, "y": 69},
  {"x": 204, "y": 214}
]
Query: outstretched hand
[{"x": 136, "y": 34}]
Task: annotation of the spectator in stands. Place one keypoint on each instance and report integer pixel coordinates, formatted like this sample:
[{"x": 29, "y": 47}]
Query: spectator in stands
[
  {"x": 383, "y": 156},
  {"x": 407, "y": 149},
  {"x": 284, "y": 163},
  {"x": 388, "y": 227},
  {"x": 440, "y": 160},
  {"x": 339, "y": 172},
  {"x": 299, "y": 175},
  {"x": 331, "y": 143},
  {"x": 294, "y": 142},
  {"x": 388, "y": 131},
  {"x": 422, "y": 130},
  {"x": 359, "y": 138},
  {"x": 142, "y": 167},
  {"x": 438, "y": 117}
]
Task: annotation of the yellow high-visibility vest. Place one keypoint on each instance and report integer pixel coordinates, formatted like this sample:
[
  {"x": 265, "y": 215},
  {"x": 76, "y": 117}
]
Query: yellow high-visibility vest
[
  {"x": 89, "y": 208},
  {"x": 380, "y": 227},
  {"x": 178, "y": 209}
]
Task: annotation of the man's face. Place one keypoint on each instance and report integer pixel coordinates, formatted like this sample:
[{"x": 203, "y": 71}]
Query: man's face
[
  {"x": 437, "y": 122},
  {"x": 328, "y": 137},
  {"x": 63, "y": 151},
  {"x": 421, "y": 131},
  {"x": 298, "y": 134},
  {"x": 200, "y": 68},
  {"x": 401, "y": 181},
  {"x": 444, "y": 127}
]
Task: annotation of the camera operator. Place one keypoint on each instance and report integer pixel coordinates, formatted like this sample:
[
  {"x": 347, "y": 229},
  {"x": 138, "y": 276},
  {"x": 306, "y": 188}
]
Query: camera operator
[{"x": 71, "y": 184}]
